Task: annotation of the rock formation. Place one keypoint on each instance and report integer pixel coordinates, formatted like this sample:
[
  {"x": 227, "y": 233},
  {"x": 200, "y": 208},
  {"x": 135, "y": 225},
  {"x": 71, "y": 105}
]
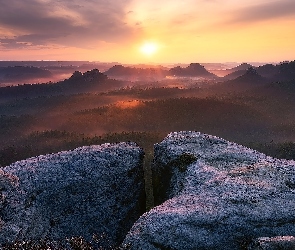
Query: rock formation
[
  {"x": 214, "y": 194},
  {"x": 89, "y": 77},
  {"x": 273, "y": 243},
  {"x": 91, "y": 190}
]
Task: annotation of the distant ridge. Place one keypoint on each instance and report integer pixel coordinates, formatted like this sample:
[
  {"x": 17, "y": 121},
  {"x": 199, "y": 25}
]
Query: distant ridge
[
  {"x": 237, "y": 71},
  {"x": 267, "y": 70},
  {"x": 248, "y": 80},
  {"x": 136, "y": 74},
  {"x": 243, "y": 66},
  {"x": 250, "y": 76},
  {"x": 286, "y": 71},
  {"x": 119, "y": 70},
  {"x": 92, "y": 80},
  {"x": 235, "y": 74},
  {"x": 17, "y": 73},
  {"x": 193, "y": 70}
]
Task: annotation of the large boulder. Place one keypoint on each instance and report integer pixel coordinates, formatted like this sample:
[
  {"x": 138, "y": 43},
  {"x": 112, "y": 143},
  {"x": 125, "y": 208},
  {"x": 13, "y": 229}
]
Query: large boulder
[
  {"x": 88, "y": 192},
  {"x": 216, "y": 195}
]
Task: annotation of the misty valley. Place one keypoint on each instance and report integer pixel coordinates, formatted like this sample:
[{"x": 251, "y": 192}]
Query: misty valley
[{"x": 253, "y": 106}]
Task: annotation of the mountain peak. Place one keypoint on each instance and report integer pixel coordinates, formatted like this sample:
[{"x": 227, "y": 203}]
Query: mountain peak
[
  {"x": 243, "y": 66},
  {"x": 250, "y": 76},
  {"x": 195, "y": 65},
  {"x": 251, "y": 71},
  {"x": 90, "y": 75}
]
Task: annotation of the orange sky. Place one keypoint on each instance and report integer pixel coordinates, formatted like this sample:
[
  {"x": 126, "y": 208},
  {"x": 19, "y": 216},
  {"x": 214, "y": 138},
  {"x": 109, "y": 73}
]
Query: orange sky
[{"x": 182, "y": 30}]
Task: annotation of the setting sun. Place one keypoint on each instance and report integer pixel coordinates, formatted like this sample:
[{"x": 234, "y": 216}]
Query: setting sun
[{"x": 149, "y": 48}]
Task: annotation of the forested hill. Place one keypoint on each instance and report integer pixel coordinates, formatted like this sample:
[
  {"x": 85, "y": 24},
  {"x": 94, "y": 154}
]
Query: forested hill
[
  {"x": 78, "y": 83},
  {"x": 22, "y": 73}
]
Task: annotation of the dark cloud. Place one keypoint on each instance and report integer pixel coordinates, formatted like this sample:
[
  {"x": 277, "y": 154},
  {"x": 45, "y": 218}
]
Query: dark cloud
[
  {"x": 265, "y": 11},
  {"x": 64, "y": 22}
]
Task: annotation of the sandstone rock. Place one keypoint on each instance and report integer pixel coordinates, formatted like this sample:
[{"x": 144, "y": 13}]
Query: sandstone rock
[
  {"x": 273, "y": 243},
  {"x": 216, "y": 194},
  {"x": 91, "y": 190}
]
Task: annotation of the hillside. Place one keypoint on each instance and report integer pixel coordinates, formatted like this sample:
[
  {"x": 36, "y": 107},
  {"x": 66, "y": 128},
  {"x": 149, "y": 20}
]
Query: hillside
[
  {"x": 193, "y": 70},
  {"x": 286, "y": 71},
  {"x": 251, "y": 76},
  {"x": 22, "y": 73},
  {"x": 235, "y": 72},
  {"x": 136, "y": 74},
  {"x": 78, "y": 83},
  {"x": 281, "y": 72}
]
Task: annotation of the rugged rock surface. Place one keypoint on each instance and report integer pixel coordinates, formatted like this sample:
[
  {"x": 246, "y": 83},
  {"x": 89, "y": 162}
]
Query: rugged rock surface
[
  {"x": 91, "y": 190},
  {"x": 273, "y": 243},
  {"x": 216, "y": 194}
]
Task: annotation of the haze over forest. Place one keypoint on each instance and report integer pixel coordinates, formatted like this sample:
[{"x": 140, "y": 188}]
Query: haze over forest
[
  {"x": 69, "y": 70},
  {"x": 251, "y": 105}
]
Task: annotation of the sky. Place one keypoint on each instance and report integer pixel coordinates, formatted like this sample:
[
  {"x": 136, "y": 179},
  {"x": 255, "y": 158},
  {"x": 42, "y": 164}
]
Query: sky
[{"x": 150, "y": 31}]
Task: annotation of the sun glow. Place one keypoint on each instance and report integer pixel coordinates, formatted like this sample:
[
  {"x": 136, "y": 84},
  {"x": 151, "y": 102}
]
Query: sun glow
[{"x": 149, "y": 48}]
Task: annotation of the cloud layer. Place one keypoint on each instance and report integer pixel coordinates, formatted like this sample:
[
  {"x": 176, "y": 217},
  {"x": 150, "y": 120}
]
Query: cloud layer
[
  {"x": 264, "y": 11},
  {"x": 63, "y": 22},
  {"x": 115, "y": 29}
]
